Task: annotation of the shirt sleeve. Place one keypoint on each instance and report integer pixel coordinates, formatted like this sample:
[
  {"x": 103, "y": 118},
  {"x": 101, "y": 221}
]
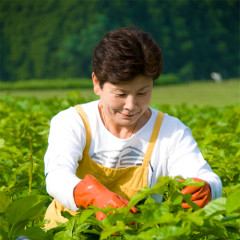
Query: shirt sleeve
[
  {"x": 186, "y": 160},
  {"x": 67, "y": 139}
]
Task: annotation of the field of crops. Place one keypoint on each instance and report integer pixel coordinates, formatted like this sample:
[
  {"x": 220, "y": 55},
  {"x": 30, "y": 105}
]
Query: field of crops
[{"x": 24, "y": 126}]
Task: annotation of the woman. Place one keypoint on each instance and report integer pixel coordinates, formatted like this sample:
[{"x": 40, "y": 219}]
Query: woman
[{"x": 103, "y": 152}]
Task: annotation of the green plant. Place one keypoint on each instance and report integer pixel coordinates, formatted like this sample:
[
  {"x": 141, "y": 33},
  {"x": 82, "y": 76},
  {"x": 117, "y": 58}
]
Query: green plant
[{"x": 23, "y": 141}]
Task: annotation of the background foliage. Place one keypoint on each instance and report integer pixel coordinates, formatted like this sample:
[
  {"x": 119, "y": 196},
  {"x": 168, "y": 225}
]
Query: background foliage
[
  {"x": 23, "y": 199},
  {"x": 55, "y": 38}
]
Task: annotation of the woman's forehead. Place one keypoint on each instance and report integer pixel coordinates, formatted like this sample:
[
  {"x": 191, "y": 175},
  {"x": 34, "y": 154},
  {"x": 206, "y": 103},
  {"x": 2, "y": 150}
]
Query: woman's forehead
[{"x": 138, "y": 83}]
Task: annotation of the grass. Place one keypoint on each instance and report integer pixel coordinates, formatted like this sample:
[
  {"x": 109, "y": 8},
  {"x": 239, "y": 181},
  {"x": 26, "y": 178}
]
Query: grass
[
  {"x": 199, "y": 93},
  {"x": 193, "y": 93}
]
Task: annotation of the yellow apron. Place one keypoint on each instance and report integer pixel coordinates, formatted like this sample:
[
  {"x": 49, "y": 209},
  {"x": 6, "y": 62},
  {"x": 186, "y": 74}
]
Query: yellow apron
[{"x": 125, "y": 182}]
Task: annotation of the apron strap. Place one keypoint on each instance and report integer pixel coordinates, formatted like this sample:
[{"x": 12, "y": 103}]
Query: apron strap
[
  {"x": 153, "y": 139},
  {"x": 86, "y": 125}
]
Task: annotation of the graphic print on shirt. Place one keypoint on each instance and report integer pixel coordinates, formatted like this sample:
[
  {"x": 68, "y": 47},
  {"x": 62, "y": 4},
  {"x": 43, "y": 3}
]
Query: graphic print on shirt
[{"x": 127, "y": 157}]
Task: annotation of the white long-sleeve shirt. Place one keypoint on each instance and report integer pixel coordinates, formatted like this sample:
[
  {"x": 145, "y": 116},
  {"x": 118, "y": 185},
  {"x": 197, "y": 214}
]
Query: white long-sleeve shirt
[{"x": 175, "y": 153}]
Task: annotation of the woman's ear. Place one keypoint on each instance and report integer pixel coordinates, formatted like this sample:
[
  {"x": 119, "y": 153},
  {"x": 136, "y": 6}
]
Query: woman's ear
[{"x": 96, "y": 85}]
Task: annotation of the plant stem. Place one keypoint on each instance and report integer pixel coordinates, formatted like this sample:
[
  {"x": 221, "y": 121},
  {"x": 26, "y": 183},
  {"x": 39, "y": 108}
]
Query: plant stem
[{"x": 31, "y": 165}]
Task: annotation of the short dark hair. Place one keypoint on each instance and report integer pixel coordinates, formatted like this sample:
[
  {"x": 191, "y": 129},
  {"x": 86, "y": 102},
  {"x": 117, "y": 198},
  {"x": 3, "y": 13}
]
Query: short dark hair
[{"x": 125, "y": 53}]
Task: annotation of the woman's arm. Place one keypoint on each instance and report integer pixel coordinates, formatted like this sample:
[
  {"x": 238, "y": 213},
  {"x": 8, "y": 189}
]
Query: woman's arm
[
  {"x": 186, "y": 160},
  {"x": 66, "y": 142}
]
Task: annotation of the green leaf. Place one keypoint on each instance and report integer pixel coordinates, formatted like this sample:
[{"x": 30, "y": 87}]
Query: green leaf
[
  {"x": 190, "y": 182},
  {"x": 187, "y": 198},
  {"x": 159, "y": 188},
  {"x": 112, "y": 230},
  {"x": 22, "y": 210},
  {"x": 4, "y": 202},
  {"x": 66, "y": 214},
  {"x": 215, "y": 207},
  {"x": 34, "y": 233},
  {"x": 3, "y": 235},
  {"x": 81, "y": 228},
  {"x": 16, "y": 230},
  {"x": 60, "y": 236},
  {"x": 196, "y": 219},
  {"x": 156, "y": 214},
  {"x": 85, "y": 215},
  {"x": 25, "y": 208},
  {"x": 70, "y": 225},
  {"x": 233, "y": 202},
  {"x": 137, "y": 198},
  {"x": 171, "y": 231},
  {"x": 165, "y": 232},
  {"x": 176, "y": 198}
]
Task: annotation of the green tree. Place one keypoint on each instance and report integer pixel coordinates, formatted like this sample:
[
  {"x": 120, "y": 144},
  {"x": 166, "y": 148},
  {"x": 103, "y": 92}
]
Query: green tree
[
  {"x": 56, "y": 38},
  {"x": 75, "y": 51}
]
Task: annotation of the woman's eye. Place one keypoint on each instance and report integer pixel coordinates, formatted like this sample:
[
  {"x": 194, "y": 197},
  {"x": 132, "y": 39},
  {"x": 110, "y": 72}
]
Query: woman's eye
[
  {"x": 141, "y": 94},
  {"x": 121, "y": 95}
]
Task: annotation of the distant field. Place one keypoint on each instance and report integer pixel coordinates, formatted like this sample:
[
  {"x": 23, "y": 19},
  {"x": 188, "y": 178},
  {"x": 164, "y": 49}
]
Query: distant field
[{"x": 199, "y": 93}]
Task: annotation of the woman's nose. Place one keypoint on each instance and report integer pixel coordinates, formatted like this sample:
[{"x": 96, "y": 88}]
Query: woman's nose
[{"x": 130, "y": 103}]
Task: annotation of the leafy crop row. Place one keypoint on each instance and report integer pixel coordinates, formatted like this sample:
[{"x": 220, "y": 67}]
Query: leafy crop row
[{"x": 23, "y": 199}]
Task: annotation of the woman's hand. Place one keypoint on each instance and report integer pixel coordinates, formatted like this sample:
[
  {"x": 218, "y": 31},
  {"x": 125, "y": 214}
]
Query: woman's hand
[
  {"x": 200, "y": 195},
  {"x": 90, "y": 192}
]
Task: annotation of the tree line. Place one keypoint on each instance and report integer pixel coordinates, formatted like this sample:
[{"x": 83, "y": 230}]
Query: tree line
[{"x": 55, "y": 38}]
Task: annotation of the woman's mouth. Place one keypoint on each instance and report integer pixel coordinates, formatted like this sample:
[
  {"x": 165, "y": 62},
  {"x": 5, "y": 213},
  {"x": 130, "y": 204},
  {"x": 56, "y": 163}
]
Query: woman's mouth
[{"x": 127, "y": 115}]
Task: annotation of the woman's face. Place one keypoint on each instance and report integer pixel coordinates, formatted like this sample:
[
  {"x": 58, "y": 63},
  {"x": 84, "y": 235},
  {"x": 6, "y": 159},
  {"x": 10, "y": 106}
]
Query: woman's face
[{"x": 125, "y": 103}]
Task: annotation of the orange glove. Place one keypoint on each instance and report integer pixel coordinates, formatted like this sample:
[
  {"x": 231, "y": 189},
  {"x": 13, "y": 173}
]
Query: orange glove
[
  {"x": 200, "y": 195},
  {"x": 90, "y": 192}
]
